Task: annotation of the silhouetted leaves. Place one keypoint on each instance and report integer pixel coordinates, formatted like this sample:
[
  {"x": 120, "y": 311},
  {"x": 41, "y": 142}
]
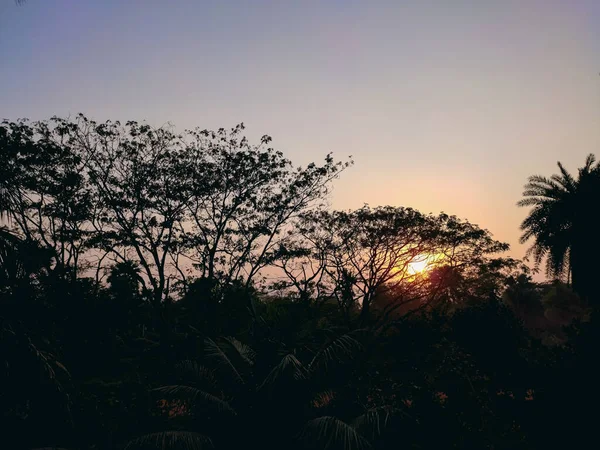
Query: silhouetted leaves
[
  {"x": 563, "y": 223},
  {"x": 136, "y": 310}
]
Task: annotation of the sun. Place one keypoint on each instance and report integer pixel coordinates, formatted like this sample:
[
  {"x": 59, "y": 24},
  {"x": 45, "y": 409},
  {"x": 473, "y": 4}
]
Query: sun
[
  {"x": 418, "y": 266},
  {"x": 421, "y": 264}
]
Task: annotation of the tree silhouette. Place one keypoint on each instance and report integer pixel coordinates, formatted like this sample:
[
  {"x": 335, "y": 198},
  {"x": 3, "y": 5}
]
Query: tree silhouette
[
  {"x": 127, "y": 252},
  {"x": 563, "y": 223},
  {"x": 364, "y": 256}
]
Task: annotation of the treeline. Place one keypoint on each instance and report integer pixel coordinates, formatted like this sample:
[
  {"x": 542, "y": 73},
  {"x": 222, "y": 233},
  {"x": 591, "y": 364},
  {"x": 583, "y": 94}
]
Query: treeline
[
  {"x": 164, "y": 290},
  {"x": 211, "y": 206}
]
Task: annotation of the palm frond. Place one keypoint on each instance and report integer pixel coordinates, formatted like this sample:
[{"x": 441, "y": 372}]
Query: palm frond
[
  {"x": 288, "y": 364},
  {"x": 338, "y": 349},
  {"x": 217, "y": 352},
  {"x": 170, "y": 440},
  {"x": 374, "y": 420},
  {"x": 194, "y": 395},
  {"x": 244, "y": 351},
  {"x": 589, "y": 164},
  {"x": 323, "y": 399},
  {"x": 542, "y": 182},
  {"x": 327, "y": 432},
  {"x": 190, "y": 370},
  {"x": 567, "y": 179},
  {"x": 531, "y": 200}
]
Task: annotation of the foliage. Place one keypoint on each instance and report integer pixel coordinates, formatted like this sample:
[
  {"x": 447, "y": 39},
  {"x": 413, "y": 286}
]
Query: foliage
[
  {"x": 562, "y": 223},
  {"x": 134, "y": 312}
]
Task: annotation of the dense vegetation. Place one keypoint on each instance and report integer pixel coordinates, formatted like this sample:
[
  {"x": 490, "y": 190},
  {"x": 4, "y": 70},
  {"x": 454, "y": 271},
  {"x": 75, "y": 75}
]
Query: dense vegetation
[{"x": 194, "y": 291}]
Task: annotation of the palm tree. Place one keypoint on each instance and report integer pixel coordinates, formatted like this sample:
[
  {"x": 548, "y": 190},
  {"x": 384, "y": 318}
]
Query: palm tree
[
  {"x": 125, "y": 278},
  {"x": 563, "y": 222}
]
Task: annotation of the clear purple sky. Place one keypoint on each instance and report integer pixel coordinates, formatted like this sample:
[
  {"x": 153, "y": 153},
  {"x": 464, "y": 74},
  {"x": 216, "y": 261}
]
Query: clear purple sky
[{"x": 444, "y": 104}]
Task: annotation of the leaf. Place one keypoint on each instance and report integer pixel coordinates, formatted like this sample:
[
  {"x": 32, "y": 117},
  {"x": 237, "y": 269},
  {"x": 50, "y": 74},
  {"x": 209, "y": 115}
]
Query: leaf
[
  {"x": 288, "y": 363},
  {"x": 244, "y": 351},
  {"x": 323, "y": 399},
  {"x": 192, "y": 371},
  {"x": 217, "y": 352},
  {"x": 327, "y": 431},
  {"x": 336, "y": 350},
  {"x": 374, "y": 419}
]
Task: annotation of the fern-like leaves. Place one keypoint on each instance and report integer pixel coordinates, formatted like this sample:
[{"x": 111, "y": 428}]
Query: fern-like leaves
[{"x": 329, "y": 432}]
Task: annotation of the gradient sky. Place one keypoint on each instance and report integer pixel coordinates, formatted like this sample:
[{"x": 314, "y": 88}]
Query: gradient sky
[{"x": 445, "y": 105}]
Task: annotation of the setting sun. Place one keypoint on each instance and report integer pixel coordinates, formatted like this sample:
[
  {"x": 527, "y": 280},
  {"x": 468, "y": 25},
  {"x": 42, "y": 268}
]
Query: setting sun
[
  {"x": 418, "y": 266},
  {"x": 422, "y": 263}
]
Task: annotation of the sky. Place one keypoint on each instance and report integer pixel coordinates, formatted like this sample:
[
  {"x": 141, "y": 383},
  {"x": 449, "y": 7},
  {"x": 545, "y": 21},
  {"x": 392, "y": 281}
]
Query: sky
[{"x": 444, "y": 105}]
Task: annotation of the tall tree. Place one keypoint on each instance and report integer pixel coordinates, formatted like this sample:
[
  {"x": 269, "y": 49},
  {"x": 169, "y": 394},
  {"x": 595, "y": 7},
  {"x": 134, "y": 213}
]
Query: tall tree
[
  {"x": 563, "y": 224},
  {"x": 139, "y": 194},
  {"x": 42, "y": 192},
  {"x": 242, "y": 198}
]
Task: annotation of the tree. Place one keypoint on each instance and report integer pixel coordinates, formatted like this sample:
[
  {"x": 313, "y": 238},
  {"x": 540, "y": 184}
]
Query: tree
[
  {"x": 563, "y": 224},
  {"x": 368, "y": 254},
  {"x": 204, "y": 203},
  {"x": 43, "y": 193},
  {"x": 32, "y": 376},
  {"x": 361, "y": 251},
  {"x": 242, "y": 198},
  {"x": 136, "y": 194}
]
